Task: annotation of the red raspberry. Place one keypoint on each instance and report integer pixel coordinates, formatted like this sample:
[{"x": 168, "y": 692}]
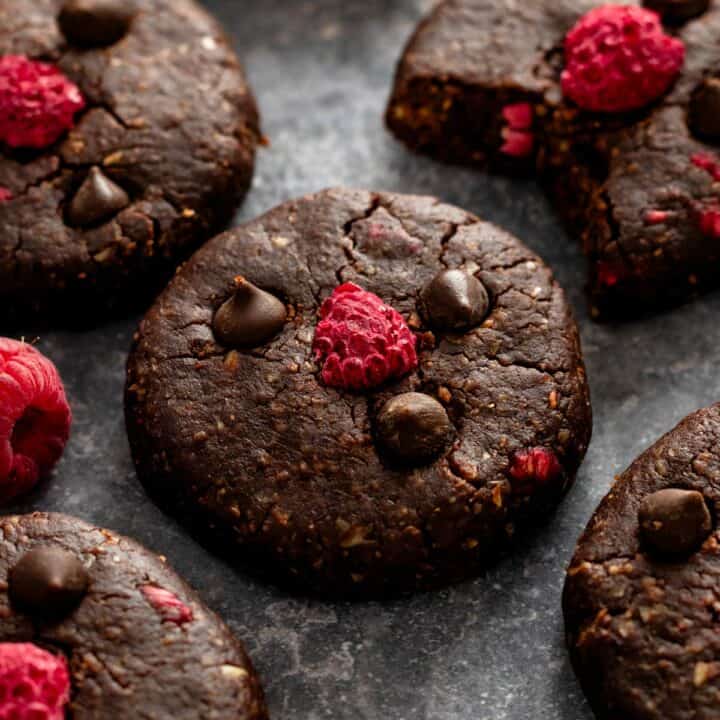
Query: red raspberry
[
  {"x": 618, "y": 58},
  {"x": 37, "y": 102},
  {"x": 518, "y": 139},
  {"x": 34, "y": 684},
  {"x": 170, "y": 607},
  {"x": 708, "y": 163},
  {"x": 364, "y": 341},
  {"x": 534, "y": 468},
  {"x": 5, "y": 195},
  {"x": 34, "y": 417},
  {"x": 709, "y": 221}
]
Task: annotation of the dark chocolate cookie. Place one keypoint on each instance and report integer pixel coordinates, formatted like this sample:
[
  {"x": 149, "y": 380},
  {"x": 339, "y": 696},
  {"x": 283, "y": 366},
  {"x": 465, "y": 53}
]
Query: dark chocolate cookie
[
  {"x": 136, "y": 640},
  {"x": 141, "y": 146},
  {"x": 641, "y": 605},
  {"x": 417, "y": 391},
  {"x": 487, "y": 83}
]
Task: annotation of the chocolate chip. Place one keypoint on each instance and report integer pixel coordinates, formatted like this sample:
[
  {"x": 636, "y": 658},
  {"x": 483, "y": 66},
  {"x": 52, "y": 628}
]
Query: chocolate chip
[
  {"x": 704, "y": 113},
  {"x": 47, "y": 582},
  {"x": 249, "y": 318},
  {"x": 677, "y": 11},
  {"x": 454, "y": 300},
  {"x": 675, "y": 522},
  {"x": 96, "y": 23},
  {"x": 98, "y": 199},
  {"x": 413, "y": 428}
]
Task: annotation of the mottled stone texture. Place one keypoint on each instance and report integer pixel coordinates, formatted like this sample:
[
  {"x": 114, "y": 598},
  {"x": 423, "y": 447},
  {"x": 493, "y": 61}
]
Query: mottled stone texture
[{"x": 491, "y": 649}]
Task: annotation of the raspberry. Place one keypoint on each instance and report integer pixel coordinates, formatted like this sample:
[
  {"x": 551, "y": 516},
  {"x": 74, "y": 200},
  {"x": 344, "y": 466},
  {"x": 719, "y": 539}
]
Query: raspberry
[
  {"x": 37, "y": 102},
  {"x": 618, "y": 58},
  {"x": 362, "y": 340},
  {"x": 708, "y": 220},
  {"x": 5, "y": 195},
  {"x": 517, "y": 136},
  {"x": 656, "y": 217},
  {"x": 169, "y": 606},
  {"x": 708, "y": 163},
  {"x": 34, "y": 684},
  {"x": 34, "y": 417},
  {"x": 608, "y": 274},
  {"x": 533, "y": 468}
]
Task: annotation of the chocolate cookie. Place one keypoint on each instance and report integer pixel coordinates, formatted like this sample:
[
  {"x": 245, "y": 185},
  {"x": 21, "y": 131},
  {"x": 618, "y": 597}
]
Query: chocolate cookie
[
  {"x": 641, "y": 609},
  {"x": 628, "y": 156},
  {"x": 416, "y": 392},
  {"x": 129, "y": 636},
  {"x": 127, "y": 137}
]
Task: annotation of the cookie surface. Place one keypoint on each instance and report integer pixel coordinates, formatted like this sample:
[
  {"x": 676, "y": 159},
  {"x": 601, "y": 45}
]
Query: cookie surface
[
  {"x": 138, "y": 640},
  {"x": 480, "y": 83},
  {"x": 341, "y": 490},
  {"x": 640, "y": 597},
  {"x": 169, "y": 125}
]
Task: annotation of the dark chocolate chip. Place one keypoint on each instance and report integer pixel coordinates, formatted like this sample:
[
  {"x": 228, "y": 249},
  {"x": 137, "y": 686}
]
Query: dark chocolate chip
[
  {"x": 98, "y": 199},
  {"x": 413, "y": 428},
  {"x": 677, "y": 11},
  {"x": 454, "y": 300},
  {"x": 96, "y": 23},
  {"x": 704, "y": 114},
  {"x": 47, "y": 582},
  {"x": 250, "y": 317},
  {"x": 675, "y": 522}
]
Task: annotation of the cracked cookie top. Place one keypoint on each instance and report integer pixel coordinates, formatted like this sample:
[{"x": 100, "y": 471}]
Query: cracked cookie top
[
  {"x": 641, "y": 596},
  {"x": 130, "y": 637},
  {"x": 392, "y": 480},
  {"x": 145, "y": 150}
]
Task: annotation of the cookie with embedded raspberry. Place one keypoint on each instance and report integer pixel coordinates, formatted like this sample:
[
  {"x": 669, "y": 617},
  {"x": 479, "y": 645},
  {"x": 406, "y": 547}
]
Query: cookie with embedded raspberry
[
  {"x": 94, "y": 625},
  {"x": 608, "y": 107},
  {"x": 127, "y": 137},
  {"x": 640, "y": 603},
  {"x": 360, "y": 393}
]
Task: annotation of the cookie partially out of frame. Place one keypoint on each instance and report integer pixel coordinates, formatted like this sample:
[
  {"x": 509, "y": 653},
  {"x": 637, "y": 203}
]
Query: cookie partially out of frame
[
  {"x": 251, "y": 416},
  {"x": 156, "y": 158},
  {"x": 481, "y": 83},
  {"x": 641, "y": 605},
  {"x": 137, "y": 640}
]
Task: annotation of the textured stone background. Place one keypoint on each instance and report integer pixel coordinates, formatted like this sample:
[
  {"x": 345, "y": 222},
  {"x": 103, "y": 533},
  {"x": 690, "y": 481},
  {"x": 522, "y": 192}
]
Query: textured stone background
[{"x": 491, "y": 649}]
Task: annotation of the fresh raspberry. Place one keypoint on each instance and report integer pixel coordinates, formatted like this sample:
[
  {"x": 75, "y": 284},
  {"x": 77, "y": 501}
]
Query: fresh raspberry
[
  {"x": 34, "y": 417},
  {"x": 168, "y": 605},
  {"x": 534, "y": 468},
  {"x": 618, "y": 58},
  {"x": 37, "y": 102},
  {"x": 34, "y": 684},
  {"x": 363, "y": 341},
  {"x": 5, "y": 195}
]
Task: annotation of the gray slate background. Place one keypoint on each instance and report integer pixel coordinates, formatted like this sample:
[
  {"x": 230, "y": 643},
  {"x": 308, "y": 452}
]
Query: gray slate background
[{"x": 491, "y": 649}]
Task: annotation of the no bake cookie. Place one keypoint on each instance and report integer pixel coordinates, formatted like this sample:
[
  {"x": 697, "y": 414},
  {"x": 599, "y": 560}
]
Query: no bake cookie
[
  {"x": 127, "y": 136},
  {"x": 615, "y": 112},
  {"x": 360, "y": 392},
  {"x": 641, "y": 605},
  {"x": 92, "y": 625}
]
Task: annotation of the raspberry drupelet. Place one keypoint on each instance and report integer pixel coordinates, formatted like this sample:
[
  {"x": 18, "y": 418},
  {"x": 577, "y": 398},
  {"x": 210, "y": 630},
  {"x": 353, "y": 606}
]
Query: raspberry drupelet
[
  {"x": 35, "y": 417},
  {"x": 362, "y": 341},
  {"x": 34, "y": 683}
]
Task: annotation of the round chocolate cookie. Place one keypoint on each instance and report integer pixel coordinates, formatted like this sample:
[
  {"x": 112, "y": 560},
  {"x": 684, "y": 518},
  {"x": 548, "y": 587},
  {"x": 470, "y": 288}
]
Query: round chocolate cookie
[
  {"x": 402, "y": 385},
  {"x": 127, "y": 137},
  {"x": 641, "y": 604},
  {"x": 130, "y": 637}
]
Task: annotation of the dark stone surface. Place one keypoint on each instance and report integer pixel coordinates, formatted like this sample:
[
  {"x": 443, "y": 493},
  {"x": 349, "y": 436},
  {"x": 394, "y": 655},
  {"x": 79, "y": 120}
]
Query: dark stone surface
[{"x": 491, "y": 649}]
